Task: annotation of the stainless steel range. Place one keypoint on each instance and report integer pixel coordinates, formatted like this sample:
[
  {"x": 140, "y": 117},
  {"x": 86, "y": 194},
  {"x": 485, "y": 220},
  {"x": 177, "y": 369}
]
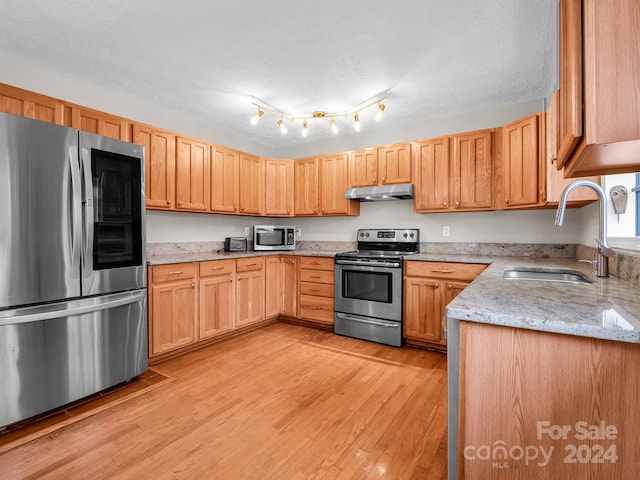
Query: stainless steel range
[{"x": 368, "y": 285}]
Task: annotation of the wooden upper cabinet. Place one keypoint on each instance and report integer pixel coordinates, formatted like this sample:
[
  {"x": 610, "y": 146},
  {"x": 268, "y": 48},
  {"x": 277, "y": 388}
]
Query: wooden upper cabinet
[
  {"x": 570, "y": 100},
  {"x": 334, "y": 182},
  {"x": 364, "y": 167},
  {"x": 97, "y": 122},
  {"x": 306, "y": 198},
  {"x": 471, "y": 172},
  {"x": 599, "y": 125},
  {"x": 159, "y": 165},
  {"x": 225, "y": 180},
  {"x": 394, "y": 164},
  {"x": 523, "y": 162},
  {"x": 278, "y": 187},
  {"x": 251, "y": 184},
  {"x": 431, "y": 175},
  {"x": 192, "y": 174},
  {"x": 31, "y": 105}
]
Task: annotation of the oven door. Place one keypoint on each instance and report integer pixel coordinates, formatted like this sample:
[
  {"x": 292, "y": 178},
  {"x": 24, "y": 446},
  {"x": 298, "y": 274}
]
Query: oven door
[{"x": 369, "y": 289}]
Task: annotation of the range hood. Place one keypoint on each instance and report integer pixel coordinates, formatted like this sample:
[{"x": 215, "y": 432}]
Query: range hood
[{"x": 383, "y": 192}]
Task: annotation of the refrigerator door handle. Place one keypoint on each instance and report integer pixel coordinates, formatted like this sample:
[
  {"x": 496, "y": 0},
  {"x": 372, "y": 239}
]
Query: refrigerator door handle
[
  {"x": 76, "y": 209},
  {"x": 67, "y": 309},
  {"x": 87, "y": 257}
]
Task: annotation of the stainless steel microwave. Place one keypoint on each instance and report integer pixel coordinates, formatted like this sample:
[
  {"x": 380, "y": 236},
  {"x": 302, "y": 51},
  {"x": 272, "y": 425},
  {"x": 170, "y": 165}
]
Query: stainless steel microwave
[{"x": 270, "y": 237}]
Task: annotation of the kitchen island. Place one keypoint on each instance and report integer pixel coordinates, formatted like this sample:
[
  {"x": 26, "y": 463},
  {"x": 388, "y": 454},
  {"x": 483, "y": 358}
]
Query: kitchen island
[{"x": 543, "y": 376}]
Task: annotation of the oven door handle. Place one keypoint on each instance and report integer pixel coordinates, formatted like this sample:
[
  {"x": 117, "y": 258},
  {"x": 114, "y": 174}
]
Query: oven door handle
[
  {"x": 369, "y": 264},
  {"x": 370, "y": 321}
]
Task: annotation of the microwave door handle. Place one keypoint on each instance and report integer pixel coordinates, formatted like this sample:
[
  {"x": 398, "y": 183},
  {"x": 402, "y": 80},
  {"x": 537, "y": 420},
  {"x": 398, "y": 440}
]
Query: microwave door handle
[
  {"x": 87, "y": 257},
  {"x": 76, "y": 210}
]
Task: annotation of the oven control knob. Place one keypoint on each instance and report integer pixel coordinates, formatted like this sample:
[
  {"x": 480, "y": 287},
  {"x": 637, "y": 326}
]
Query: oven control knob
[
  {"x": 411, "y": 235},
  {"x": 367, "y": 234},
  {"x": 361, "y": 234},
  {"x": 405, "y": 235}
]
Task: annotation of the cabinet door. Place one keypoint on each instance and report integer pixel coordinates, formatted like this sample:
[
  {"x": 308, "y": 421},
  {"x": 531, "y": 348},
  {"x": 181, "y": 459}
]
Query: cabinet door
[
  {"x": 422, "y": 309},
  {"x": 192, "y": 174},
  {"x": 159, "y": 166},
  {"x": 273, "y": 283},
  {"x": 173, "y": 316},
  {"x": 451, "y": 291},
  {"x": 97, "y": 122},
  {"x": 472, "y": 171},
  {"x": 334, "y": 181},
  {"x": 570, "y": 91},
  {"x": 251, "y": 184},
  {"x": 217, "y": 305},
  {"x": 432, "y": 175},
  {"x": 249, "y": 297},
  {"x": 364, "y": 168},
  {"x": 225, "y": 178},
  {"x": 523, "y": 163},
  {"x": 289, "y": 286},
  {"x": 394, "y": 164},
  {"x": 278, "y": 185},
  {"x": 305, "y": 201},
  {"x": 31, "y": 105}
]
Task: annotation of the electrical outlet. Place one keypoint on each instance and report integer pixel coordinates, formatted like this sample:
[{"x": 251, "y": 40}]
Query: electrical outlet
[
  {"x": 298, "y": 232},
  {"x": 246, "y": 232},
  {"x": 445, "y": 231}
]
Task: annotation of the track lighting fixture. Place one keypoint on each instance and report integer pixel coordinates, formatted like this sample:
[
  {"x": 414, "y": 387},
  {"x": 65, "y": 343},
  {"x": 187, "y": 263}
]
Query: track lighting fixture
[
  {"x": 380, "y": 112},
  {"x": 283, "y": 127},
  {"x": 354, "y": 112},
  {"x": 334, "y": 127},
  {"x": 256, "y": 118},
  {"x": 356, "y": 120}
]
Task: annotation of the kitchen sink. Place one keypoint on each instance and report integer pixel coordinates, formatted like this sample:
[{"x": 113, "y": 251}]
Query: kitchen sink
[{"x": 558, "y": 275}]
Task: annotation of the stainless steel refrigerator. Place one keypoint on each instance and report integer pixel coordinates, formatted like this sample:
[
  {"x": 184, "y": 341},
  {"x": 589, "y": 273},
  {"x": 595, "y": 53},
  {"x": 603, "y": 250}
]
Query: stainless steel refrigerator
[{"x": 73, "y": 299}]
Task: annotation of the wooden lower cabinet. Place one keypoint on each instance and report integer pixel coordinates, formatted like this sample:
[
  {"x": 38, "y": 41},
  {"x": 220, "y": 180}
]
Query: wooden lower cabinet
[
  {"x": 289, "y": 306},
  {"x": 573, "y": 398},
  {"x": 172, "y": 312},
  {"x": 272, "y": 286},
  {"x": 316, "y": 289},
  {"x": 250, "y": 290},
  {"x": 217, "y": 298},
  {"x": 428, "y": 289}
]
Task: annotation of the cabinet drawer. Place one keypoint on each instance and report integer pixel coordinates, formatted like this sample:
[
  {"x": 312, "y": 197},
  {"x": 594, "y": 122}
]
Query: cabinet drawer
[
  {"x": 316, "y": 308},
  {"x": 319, "y": 289},
  {"x": 459, "y": 271},
  {"x": 317, "y": 263},
  {"x": 251, "y": 263},
  {"x": 215, "y": 267},
  {"x": 316, "y": 276},
  {"x": 173, "y": 271}
]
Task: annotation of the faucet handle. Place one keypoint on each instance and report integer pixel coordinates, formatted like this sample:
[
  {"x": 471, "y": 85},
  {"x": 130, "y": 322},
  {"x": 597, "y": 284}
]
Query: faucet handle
[{"x": 606, "y": 250}]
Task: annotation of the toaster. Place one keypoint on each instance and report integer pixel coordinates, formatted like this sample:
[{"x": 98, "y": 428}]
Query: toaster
[{"x": 235, "y": 244}]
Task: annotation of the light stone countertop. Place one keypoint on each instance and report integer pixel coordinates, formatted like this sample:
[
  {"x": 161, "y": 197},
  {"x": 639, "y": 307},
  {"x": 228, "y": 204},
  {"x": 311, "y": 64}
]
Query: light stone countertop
[
  {"x": 608, "y": 308},
  {"x": 165, "y": 258}
]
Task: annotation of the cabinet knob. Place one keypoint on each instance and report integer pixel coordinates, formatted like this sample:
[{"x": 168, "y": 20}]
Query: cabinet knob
[
  {"x": 168, "y": 202},
  {"x": 384, "y": 180},
  {"x": 506, "y": 201},
  {"x": 457, "y": 204},
  {"x": 193, "y": 285},
  {"x": 288, "y": 210},
  {"x": 315, "y": 210},
  {"x": 242, "y": 209},
  {"x": 179, "y": 202},
  {"x": 444, "y": 204},
  {"x": 373, "y": 181}
]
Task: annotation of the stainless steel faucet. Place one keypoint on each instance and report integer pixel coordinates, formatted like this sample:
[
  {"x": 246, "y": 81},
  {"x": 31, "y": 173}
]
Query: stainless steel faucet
[{"x": 601, "y": 265}]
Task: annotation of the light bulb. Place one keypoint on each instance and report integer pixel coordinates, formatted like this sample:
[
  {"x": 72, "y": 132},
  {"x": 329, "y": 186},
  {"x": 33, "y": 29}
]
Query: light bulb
[
  {"x": 379, "y": 113},
  {"x": 305, "y": 130},
  {"x": 334, "y": 127},
  {"x": 356, "y": 125},
  {"x": 283, "y": 127},
  {"x": 256, "y": 118}
]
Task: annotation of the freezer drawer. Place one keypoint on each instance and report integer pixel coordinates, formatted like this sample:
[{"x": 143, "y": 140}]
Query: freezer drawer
[{"x": 54, "y": 354}]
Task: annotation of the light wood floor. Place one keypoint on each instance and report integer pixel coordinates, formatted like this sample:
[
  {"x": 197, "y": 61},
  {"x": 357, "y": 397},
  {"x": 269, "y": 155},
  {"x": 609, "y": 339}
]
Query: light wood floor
[{"x": 283, "y": 402}]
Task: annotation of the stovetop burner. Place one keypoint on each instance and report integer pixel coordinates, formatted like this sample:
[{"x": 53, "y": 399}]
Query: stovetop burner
[{"x": 385, "y": 243}]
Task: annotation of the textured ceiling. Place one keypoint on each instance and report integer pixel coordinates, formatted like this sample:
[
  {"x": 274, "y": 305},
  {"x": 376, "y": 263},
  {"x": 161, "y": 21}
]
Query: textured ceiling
[{"x": 205, "y": 58}]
